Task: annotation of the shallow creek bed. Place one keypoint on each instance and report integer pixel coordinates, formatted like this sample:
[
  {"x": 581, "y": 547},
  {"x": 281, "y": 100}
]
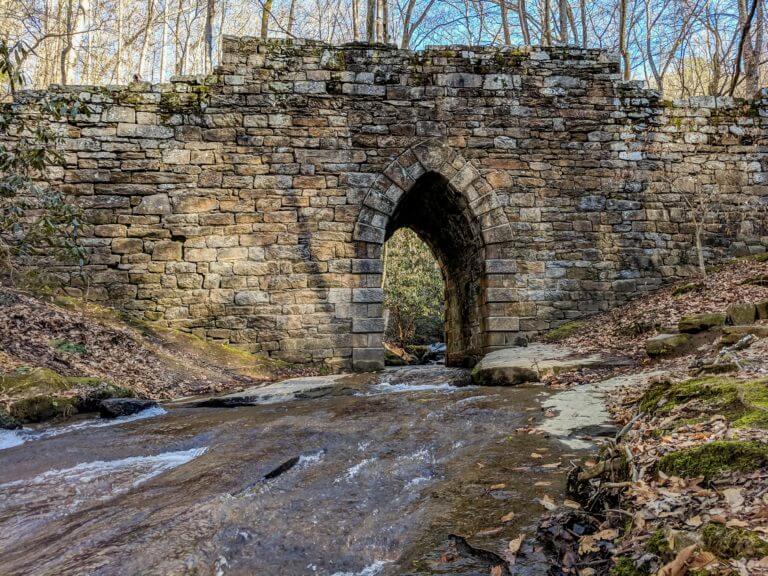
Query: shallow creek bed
[{"x": 405, "y": 475}]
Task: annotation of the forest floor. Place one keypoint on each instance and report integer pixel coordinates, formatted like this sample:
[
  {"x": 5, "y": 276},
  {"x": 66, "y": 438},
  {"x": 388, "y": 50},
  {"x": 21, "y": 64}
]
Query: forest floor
[
  {"x": 66, "y": 347},
  {"x": 683, "y": 488}
]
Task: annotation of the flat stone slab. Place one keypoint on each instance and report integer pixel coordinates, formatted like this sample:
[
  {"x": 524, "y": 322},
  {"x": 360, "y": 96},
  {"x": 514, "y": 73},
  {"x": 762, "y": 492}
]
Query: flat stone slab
[
  {"x": 512, "y": 366},
  {"x": 291, "y": 389},
  {"x": 581, "y": 410},
  {"x": 663, "y": 344}
]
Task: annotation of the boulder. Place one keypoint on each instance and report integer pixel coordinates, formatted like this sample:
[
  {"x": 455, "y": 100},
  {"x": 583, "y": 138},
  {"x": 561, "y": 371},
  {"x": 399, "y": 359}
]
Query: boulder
[
  {"x": 739, "y": 314},
  {"x": 43, "y": 407},
  {"x": 700, "y": 322},
  {"x": 664, "y": 344},
  {"x": 8, "y": 422},
  {"x": 512, "y": 366},
  {"x": 732, "y": 334},
  {"x": 115, "y": 407}
]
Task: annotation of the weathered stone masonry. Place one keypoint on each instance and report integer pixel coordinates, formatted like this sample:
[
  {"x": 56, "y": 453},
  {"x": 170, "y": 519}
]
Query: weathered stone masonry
[{"x": 251, "y": 206}]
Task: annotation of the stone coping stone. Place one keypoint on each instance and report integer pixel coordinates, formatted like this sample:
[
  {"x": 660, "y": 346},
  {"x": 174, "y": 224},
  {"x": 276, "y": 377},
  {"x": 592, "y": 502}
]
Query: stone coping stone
[{"x": 512, "y": 366}]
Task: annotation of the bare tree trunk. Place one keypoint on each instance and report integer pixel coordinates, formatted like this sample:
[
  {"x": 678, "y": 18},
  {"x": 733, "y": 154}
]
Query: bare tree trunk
[
  {"x": 119, "y": 56},
  {"x": 265, "y": 14},
  {"x": 355, "y": 18},
  {"x": 164, "y": 24},
  {"x": 522, "y": 12},
  {"x": 210, "y": 13},
  {"x": 145, "y": 39},
  {"x": 623, "y": 39},
  {"x": 370, "y": 21},
  {"x": 505, "y": 22},
  {"x": 67, "y": 46},
  {"x": 292, "y": 17},
  {"x": 385, "y": 21},
  {"x": 222, "y": 20},
  {"x": 742, "y": 42},
  {"x": 546, "y": 17},
  {"x": 583, "y": 14},
  {"x": 380, "y": 20},
  {"x": 562, "y": 10},
  {"x": 752, "y": 46}
]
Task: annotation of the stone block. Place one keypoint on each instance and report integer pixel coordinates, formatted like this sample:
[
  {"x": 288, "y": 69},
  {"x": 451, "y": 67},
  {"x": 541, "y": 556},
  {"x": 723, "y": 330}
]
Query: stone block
[
  {"x": 127, "y": 245},
  {"x": 366, "y": 325},
  {"x": 167, "y": 250},
  {"x": 368, "y": 359},
  {"x": 154, "y": 204}
]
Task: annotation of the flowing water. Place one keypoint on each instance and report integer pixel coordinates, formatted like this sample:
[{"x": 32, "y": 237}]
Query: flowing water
[{"x": 369, "y": 483}]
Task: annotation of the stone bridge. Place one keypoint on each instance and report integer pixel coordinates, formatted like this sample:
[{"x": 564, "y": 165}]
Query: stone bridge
[{"x": 251, "y": 206}]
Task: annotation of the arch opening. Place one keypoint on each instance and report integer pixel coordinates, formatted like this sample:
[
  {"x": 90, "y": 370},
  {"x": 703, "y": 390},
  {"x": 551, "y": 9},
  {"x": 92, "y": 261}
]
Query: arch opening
[{"x": 441, "y": 217}]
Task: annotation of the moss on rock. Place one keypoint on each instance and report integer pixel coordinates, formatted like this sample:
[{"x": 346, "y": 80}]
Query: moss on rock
[
  {"x": 563, "y": 331},
  {"x": 664, "y": 344},
  {"x": 30, "y": 382},
  {"x": 44, "y": 407},
  {"x": 8, "y": 422},
  {"x": 700, "y": 322},
  {"x": 715, "y": 458},
  {"x": 730, "y": 543},
  {"x": 743, "y": 402}
]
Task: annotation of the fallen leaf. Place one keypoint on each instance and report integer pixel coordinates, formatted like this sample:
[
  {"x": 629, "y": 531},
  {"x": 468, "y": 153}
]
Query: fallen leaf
[
  {"x": 508, "y": 517},
  {"x": 609, "y": 534},
  {"x": 548, "y": 503},
  {"x": 587, "y": 572},
  {"x": 488, "y": 532},
  {"x": 543, "y": 483},
  {"x": 516, "y": 543},
  {"x": 588, "y": 544},
  {"x": 498, "y": 487},
  {"x": 734, "y": 497},
  {"x": 571, "y": 504},
  {"x": 535, "y": 455},
  {"x": 694, "y": 521},
  {"x": 679, "y": 566},
  {"x": 497, "y": 570},
  {"x": 703, "y": 559},
  {"x": 736, "y": 523},
  {"x": 552, "y": 465}
]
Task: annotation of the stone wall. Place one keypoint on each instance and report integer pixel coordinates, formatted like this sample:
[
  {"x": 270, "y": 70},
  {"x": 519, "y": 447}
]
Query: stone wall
[{"x": 251, "y": 206}]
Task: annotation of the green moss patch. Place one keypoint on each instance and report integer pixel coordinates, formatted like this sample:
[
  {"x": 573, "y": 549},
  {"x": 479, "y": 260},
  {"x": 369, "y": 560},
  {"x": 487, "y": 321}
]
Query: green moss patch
[
  {"x": 658, "y": 544},
  {"x": 687, "y": 288},
  {"x": 715, "y": 458},
  {"x": 743, "y": 402},
  {"x": 625, "y": 566},
  {"x": 700, "y": 322},
  {"x": 733, "y": 542},
  {"x": 32, "y": 381},
  {"x": 563, "y": 331},
  {"x": 42, "y": 408}
]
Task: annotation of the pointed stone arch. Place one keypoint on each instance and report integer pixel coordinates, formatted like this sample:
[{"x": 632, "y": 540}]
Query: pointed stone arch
[
  {"x": 485, "y": 236},
  {"x": 401, "y": 174}
]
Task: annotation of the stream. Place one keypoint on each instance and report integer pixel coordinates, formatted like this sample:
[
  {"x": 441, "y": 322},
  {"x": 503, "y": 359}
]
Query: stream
[{"x": 370, "y": 482}]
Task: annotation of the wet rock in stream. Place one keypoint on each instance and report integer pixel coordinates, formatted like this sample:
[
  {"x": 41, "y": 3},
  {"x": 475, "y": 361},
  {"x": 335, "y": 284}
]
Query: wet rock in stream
[{"x": 116, "y": 407}]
